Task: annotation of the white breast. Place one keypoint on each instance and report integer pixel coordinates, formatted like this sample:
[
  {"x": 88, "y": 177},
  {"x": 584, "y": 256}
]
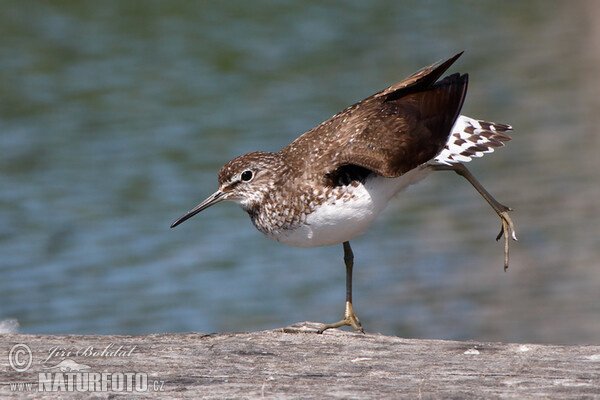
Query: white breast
[{"x": 349, "y": 216}]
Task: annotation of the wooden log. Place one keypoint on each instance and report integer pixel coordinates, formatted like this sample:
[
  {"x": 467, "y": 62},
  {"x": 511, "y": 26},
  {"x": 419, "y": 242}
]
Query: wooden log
[{"x": 292, "y": 362}]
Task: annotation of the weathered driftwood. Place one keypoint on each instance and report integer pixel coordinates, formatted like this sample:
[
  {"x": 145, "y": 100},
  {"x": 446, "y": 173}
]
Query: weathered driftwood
[{"x": 294, "y": 362}]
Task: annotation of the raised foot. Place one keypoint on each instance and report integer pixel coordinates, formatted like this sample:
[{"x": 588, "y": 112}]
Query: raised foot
[
  {"x": 350, "y": 319},
  {"x": 507, "y": 230}
]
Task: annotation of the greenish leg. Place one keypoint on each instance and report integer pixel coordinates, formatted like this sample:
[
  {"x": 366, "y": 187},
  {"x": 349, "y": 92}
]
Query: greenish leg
[
  {"x": 350, "y": 318},
  {"x": 508, "y": 228}
]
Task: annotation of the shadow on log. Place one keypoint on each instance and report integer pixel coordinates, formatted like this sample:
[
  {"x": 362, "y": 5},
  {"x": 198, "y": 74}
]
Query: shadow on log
[{"x": 292, "y": 362}]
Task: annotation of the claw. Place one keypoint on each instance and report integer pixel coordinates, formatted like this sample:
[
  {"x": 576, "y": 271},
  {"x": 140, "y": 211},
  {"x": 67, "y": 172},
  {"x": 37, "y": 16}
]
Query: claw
[{"x": 501, "y": 232}]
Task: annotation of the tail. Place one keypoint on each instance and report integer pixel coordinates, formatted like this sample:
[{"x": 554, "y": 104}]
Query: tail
[{"x": 472, "y": 138}]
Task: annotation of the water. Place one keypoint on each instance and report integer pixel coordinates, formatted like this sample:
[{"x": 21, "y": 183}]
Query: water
[{"x": 116, "y": 116}]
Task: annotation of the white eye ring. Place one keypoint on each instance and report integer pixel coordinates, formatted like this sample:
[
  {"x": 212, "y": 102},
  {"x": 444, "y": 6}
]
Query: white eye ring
[{"x": 246, "y": 176}]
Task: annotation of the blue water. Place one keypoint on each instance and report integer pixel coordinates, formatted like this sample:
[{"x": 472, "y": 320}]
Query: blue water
[{"x": 115, "y": 117}]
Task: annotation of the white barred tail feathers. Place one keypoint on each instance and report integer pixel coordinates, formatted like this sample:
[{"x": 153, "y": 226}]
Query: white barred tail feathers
[{"x": 472, "y": 138}]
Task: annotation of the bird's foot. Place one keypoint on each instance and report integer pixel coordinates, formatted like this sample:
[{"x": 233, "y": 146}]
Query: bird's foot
[
  {"x": 507, "y": 230},
  {"x": 350, "y": 319}
]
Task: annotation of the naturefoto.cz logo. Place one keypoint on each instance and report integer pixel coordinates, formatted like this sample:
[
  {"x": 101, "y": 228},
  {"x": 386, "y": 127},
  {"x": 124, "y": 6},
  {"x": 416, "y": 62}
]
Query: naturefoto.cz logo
[{"x": 59, "y": 372}]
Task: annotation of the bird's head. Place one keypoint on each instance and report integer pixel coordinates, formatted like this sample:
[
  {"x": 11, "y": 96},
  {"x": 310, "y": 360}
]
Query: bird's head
[{"x": 245, "y": 180}]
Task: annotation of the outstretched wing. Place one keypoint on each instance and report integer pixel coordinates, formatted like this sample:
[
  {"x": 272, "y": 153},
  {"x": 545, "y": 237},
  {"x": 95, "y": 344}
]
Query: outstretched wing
[{"x": 392, "y": 131}]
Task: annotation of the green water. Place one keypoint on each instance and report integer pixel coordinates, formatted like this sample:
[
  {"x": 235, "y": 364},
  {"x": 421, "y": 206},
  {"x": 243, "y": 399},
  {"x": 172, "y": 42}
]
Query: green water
[{"x": 115, "y": 117}]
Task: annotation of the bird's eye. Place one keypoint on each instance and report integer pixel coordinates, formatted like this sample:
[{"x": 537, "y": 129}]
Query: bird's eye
[{"x": 246, "y": 175}]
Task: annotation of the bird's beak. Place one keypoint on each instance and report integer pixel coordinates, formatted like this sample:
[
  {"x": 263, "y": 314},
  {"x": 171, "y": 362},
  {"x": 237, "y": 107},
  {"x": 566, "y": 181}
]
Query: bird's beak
[{"x": 215, "y": 198}]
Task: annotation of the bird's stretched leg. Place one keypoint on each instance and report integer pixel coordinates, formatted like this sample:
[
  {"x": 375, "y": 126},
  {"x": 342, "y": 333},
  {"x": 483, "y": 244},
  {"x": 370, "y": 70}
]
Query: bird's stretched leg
[
  {"x": 508, "y": 228},
  {"x": 350, "y": 318}
]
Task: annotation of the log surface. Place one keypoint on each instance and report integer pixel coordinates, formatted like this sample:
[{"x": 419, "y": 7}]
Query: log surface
[{"x": 295, "y": 362}]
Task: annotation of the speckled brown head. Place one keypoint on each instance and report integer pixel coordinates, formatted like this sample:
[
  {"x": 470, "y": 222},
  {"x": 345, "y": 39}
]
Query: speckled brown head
[{"x": 245, "y": 180}]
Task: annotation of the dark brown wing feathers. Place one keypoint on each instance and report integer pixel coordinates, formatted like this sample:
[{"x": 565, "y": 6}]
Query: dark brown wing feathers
[
  {"x": 392, "y": 131},
  {"x": 423, "y": 78}
]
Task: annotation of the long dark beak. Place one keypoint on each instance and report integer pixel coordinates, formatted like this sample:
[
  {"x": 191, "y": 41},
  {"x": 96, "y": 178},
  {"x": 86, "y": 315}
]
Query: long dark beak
[{"x": 215, "y": 198}]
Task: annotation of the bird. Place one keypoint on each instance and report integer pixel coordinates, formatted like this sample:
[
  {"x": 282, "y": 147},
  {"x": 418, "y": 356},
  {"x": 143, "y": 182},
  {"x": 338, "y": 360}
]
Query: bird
[{"x": 328, "y": 185}]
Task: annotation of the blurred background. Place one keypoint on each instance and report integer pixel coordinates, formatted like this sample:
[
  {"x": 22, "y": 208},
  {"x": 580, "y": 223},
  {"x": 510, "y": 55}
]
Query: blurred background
[{"x": 116, "y": 116}]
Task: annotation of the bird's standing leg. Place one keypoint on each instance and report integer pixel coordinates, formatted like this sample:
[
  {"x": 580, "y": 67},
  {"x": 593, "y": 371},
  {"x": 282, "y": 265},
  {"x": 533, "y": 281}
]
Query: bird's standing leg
[
  {"x": 508, "y": 228},
  {"x": 350, "y": 317}
]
